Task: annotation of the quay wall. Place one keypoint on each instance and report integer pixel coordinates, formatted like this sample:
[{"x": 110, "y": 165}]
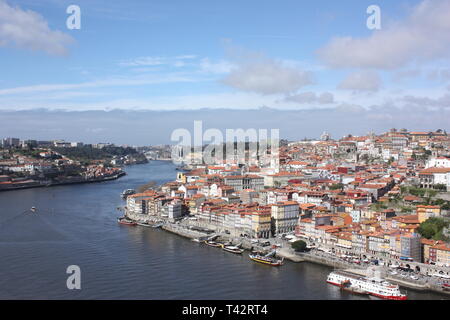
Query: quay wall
[
  {"x": 324, "y": 261},
  {"x": 289, "y": 254},
  {"x": 184, "y": 232}
]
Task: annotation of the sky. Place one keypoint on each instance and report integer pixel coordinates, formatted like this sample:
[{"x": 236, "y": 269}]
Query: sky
[{"x": 257, "y": 63}]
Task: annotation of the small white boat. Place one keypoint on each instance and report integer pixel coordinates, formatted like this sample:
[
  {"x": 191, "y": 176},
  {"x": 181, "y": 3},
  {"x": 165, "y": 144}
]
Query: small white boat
[
  {"x": 158, "y": 225},
  {"x": 233, "y": 249},
  {"x": 144, "y": 224}
]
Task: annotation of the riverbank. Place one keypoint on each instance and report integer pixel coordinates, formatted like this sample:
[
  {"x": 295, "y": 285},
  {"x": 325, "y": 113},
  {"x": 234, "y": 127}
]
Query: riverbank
[
  {"x": 38, "y": 184},
  {"x": 76, "y": 224},
  {"x": 189, "y": 231}
]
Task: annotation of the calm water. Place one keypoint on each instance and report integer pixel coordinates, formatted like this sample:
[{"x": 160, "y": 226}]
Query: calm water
[{"x": 76, "y": 225}]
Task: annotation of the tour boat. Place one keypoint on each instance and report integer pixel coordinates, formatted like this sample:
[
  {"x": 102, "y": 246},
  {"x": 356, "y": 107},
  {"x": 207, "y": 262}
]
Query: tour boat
[
  {"x": 373, "y": 286},
  {"x": 347, "y": 286},
  {"x": 233, "y": 249},
  {"x": 126, "y": 221},
  {"x": 266, "y": 260},
  {"x": 143, "y": 224},
  {"x": 213, "y": 244}
]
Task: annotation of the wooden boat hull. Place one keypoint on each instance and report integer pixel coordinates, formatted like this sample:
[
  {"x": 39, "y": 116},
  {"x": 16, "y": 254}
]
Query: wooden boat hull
[
  {"x": 373, "y": 295},
  {"x": 214, "y": 244},
  {"x": 126, "y": 222},
  {"x": 272, "y": 263}
]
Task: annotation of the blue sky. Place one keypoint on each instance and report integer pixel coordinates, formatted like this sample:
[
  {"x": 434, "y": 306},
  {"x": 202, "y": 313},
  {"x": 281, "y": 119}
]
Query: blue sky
[{"x": 170, "y": 55}]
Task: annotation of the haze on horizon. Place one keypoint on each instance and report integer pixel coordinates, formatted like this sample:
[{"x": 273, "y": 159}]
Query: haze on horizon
[{"x": 137, "y": 70}]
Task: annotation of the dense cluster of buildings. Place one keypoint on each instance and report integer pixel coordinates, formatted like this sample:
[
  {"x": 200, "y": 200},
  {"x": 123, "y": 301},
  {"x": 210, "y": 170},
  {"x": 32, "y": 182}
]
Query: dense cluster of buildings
[
  {"x": 345, "y": 195},
  {"x": 43, "y": 166}
]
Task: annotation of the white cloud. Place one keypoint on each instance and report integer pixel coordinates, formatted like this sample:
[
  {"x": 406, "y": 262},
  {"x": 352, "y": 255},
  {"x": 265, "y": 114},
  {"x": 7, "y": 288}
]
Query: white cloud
[
  {"x": 112, "y": 82},
  {"x": 311, "y": 98},
  {"x": 29, "y": 30},
  {"x": 423, "y": 36},
  {"x": 443, "y": 101},
  {"x": 406, "y": 74},
  {"x": 222, "y": 66},
  {"x": 361, "y": 81},
  {"x": 442, "y": 75},
  {"x": 177, "y": 61},
  {"x": 260, "y": 74},
  {"x": 350, "y": 108}
]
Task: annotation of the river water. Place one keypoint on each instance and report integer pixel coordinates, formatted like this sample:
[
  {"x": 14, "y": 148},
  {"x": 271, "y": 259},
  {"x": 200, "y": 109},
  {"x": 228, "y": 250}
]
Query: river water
[{"x": 76, "y": 225}]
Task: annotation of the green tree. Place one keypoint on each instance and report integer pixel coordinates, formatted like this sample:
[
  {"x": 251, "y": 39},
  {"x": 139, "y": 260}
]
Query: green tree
[
  {"x": 432, "y": 193},
  {"x": 336, "y": 186},
  {"x": 432, "y": 228},
  {"x": 441, "y": 187},
  {"x": 299, "y": 245}
]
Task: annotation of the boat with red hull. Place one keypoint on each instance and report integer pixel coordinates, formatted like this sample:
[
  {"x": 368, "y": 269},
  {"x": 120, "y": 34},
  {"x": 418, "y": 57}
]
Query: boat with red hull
[
  {"x": 373, "y": 286},
  {"x": 126, "y": 221}
]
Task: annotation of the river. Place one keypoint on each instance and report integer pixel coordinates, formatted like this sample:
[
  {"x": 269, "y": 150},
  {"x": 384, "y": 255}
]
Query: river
[{"x": 76, "y": 225}]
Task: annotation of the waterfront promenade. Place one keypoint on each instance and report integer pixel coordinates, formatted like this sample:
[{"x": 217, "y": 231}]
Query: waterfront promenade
[{"x": 192, "y": 230}]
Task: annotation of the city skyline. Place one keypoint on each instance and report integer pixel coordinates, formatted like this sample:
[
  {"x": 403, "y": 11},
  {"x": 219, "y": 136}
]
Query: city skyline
[
  {"x": 158, "y": 57},
  {"x": 155, "y": 127}
]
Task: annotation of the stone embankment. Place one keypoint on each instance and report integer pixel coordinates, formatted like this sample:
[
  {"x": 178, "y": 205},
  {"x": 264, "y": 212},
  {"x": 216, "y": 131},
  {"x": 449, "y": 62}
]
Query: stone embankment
[{"x": 191, "y": 232}]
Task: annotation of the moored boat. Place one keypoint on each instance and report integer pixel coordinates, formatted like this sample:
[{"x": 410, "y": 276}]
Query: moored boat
[
  {"x": 349, "y": 287},
  {"x": 266, "y": 260},
  {"x": 373, "y": 286},
  {"x": 213, "y": 244},
  {"x": 126, "y": 221},
  {"x": 233, "y": 249},
  {"x": 144, "y": 224},
  {"x": 158, "y": 225}
]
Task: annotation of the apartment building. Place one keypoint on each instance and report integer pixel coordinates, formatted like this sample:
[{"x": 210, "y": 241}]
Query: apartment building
[{"x": 284, "y": 217}]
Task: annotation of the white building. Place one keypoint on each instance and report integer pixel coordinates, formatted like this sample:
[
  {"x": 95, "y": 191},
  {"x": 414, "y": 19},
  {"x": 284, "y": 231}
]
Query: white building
[
  {"x": 440, "y": 162},
  {"x": 284, "y": 216}
]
